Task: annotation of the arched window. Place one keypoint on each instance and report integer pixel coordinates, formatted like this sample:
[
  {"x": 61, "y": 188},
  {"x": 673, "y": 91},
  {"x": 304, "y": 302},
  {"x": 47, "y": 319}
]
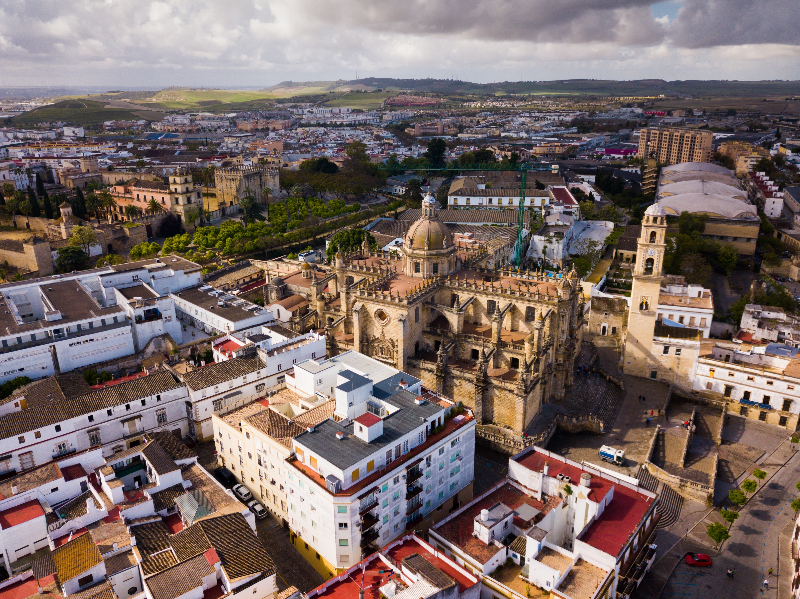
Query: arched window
[
  {"x": 648, "y": 266},
  {"x": 652, "y": 236}
]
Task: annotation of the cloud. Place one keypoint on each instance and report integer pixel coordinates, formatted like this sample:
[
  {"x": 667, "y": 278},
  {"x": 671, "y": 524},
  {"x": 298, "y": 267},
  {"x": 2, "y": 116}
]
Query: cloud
[{"x": 260, "y": 42}]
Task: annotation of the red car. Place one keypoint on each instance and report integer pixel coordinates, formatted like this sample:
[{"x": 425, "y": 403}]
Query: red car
[{"x": 698, "y": 559}]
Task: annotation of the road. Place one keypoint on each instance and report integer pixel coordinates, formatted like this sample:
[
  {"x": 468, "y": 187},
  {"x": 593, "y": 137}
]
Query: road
[{"x": 752, "y": 549}]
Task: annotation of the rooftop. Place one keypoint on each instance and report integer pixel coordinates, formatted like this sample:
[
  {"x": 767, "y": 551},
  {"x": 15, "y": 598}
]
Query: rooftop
[
  {"x": 76, "y": 557},
  {"x": 611, "y": 530},
  {"x": 141, "y": 290},
  {"x": 20, "y": 514},
  {"x": 222, "y": 304},
  {"x": 221, "y": 372}
]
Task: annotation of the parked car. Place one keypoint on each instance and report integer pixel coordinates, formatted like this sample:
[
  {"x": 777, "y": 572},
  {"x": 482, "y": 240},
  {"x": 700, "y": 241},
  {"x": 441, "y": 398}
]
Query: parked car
[
  {"x": 698, "y": 559},
  {"x": 225, "y": 476},
  {"x": 258, "y": 509},
  {"x": 242, "y": 493}
]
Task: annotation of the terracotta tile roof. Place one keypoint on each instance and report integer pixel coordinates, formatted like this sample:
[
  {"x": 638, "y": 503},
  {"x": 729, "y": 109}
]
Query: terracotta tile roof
[
  {"x": 76, "y": 557},
  {"x": 316, "y": 415},
  {"x": 179, "y": 579},
  {"x": 43, "y": 566},
  {"x": 172, "y": 445},
  {"x": 76, "y": 507},
  {"x": 165, "y": 498},
  {"x": 221, "y": 372},
  {"x": 152, "y": 543},
  {"x": 222, "y": 502},
  {"x": 30, "y": 480},
  {"x": 276, "y": 425},
  {"x": 102, "y": 590},
  {"x": 59, "y": 410},
  {"x": 119, "y": 562},
  {"x": 243, "y": 413},
  {"x": 159, "y": 459}
]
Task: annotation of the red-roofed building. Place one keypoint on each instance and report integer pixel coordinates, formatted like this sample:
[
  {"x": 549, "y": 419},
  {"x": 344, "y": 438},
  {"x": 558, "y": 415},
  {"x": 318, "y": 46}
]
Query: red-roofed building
[
  {"x": 409, "y": 565},
  {"x": 597, "y": 542},
  {"x": 23, "y": 530}
]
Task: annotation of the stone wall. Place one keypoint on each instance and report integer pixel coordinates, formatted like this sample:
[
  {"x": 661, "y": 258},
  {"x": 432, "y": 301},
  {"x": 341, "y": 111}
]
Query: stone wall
[
  {"x": 686, "y": 488},
  {"x": 32, "y": 255}
]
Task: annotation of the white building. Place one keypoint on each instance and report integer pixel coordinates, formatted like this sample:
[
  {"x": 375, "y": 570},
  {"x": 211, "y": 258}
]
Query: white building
[
  {"x": 572, "y": 530},
  {"x": 681, "y": 305},
  {"x": 217, "y": 311},
  {"x": 760, "y": 382},
  {"x": 394, "y": 455},
  {"x": 62, "y": 415},
  {"x": 768, "y": 323},
  {"x": 68, "y": 322}
]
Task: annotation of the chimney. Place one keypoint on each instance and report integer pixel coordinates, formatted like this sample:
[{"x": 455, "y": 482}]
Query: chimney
[
  {"x": 340, "y": 436},
  {"x": 484, "y": 515},
  {"x": 14, "y": 490},
  {"x": 586, "y": 479},
  {"x": 546, "y": 469},
  {"x": 418, "y": 400},
  {"x": 310, "y": 429},
  {"x": 115, "y": 545},
  {"x": 403, "y": 384}
]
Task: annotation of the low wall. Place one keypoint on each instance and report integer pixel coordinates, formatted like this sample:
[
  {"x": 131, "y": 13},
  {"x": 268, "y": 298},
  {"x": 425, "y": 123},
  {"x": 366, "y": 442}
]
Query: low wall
[
  {"x": 689, "y": 437},
  {"x": 686, "y": 488}
]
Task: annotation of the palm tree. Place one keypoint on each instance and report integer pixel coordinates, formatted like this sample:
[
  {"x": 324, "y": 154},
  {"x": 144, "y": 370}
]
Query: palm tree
[
  {"x": 107, "y": 202},
  {"x": 153, "y": 207},
  {"x": 132, "y": 211}
]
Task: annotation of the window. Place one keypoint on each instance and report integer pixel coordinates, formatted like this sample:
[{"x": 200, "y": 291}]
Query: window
[
  {"x": 342, "y": 542},
  {"x": 217, "y": 405},
  {"x": 82, "y": 582},
  {"x": 21, "y": 439},
  {"x": 385, "y": 503},
  {"x": 313, "y": 462},
  {"x": 37, "y": 435},
  {"x": 530, "y": 313},
  {"x": 436, "y": 268},
  {"x": 91, "y": 418},
  {"x": 389, "y": 457},
  {"x": 762, "y": 416},
  {"x": 161, "y": 417},
  {"x": 790, "y": 387},
  {"x": 342, "y": 525},
  {"x": 385, "y": 519},
  {"x": 782, "y": 420},
  {"x": 677, "y": 351},
  {"x": 787, "y": 405},
  {"x": 491, "y": 306},
  {"x": 680, "y": 319},
  {"x": 766, "y": 399},
  {"x": 405, "y": 446},
  {"x": 58, "y": 428},
  {"x": 355, "y": 475},
  {"x": 370, "y": 465},
  {"x": 728, "y": 390},
  {"x": 653, "y": 374},
  {"x": 751, "y": 378},
  {"x": 341, "y": 509},
  {"x": 416, "y": 267},
  {"x": 743, "y": 411},
  {"x": 416, "y": 314},
  {"x": 94, "y": 438},
  {"x": 108, "y": 412},
  {"x": 475, "y": 354},
  {"x": 666, "y": 350},
  {"x": 260, "y": 386}
]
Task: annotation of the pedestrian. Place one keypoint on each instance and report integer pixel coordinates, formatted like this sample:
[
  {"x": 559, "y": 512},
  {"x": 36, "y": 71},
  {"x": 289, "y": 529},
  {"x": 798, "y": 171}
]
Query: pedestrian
[
  {"x": 648, "y": 421},
  {"x": 766, "y": 583},
  {"x": 730, "y": 573},
  {"x": 651, "y": 412}
]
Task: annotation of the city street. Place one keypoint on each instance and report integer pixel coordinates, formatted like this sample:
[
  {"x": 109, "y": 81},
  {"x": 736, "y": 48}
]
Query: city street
[{"x": 751, "y": 551}]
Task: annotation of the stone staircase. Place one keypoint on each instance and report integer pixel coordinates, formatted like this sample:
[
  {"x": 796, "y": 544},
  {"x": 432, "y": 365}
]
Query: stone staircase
[{"x": 669, "y": 506}]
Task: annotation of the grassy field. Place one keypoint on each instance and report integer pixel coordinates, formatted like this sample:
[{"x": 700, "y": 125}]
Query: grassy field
[
  {"x": 79, "y": 112},
  {"x": 365, "y": 101}
]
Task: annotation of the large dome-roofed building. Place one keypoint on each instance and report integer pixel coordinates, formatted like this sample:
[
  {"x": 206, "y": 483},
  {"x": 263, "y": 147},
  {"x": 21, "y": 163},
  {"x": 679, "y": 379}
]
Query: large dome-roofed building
[{"x": 428, "y": 248}]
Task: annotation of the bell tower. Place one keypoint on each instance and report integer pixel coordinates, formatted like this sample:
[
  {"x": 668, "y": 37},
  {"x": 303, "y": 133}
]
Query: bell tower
[{"x": 648, "y": 272}]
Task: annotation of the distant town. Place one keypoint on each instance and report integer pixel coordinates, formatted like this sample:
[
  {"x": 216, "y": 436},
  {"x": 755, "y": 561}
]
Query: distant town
[{"x": 369, "y": 342}]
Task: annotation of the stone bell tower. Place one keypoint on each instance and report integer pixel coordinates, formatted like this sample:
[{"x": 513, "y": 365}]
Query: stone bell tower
[{"x": 648, "y": 272}]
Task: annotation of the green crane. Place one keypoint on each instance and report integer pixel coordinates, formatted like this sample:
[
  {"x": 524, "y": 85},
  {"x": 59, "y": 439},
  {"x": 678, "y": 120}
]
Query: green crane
[{"x": 522, "y": 168}]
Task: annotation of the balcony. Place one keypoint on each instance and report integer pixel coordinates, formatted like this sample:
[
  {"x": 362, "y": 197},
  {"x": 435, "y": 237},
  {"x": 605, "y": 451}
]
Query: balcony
[
  {"x": 62, "y": 452},
  {"x": 368, "y": 537},
  {"x": 413, "y": 490},
  {"x": 368, "y": 521},
  {"x": 414, "y": 474},
  {"x": 368, "y": 504},
  {"x": 412, "y": 522},
  {"x": 413, "y": 505}
]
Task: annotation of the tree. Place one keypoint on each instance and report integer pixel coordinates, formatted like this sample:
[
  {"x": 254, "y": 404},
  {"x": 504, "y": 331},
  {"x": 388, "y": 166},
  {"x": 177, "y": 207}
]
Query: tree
[
  {"x": 319, "y": 165},
  {"x": 728, "y": 256},
  {"x": 435, "y": 153},
  {"x": 48, "y": 207},
  {"x": 729, "y": 515},
  {"x": 79, "y": 204},
  {"x": 144, "y": 250},
  {"x": 39, "y": 185},
  {"x": 84, "y": 237},
  {"x": 413, "y": 193},
  {"x": 191, "y": 215},
  {"x": 759, "y": 474},
  {"x": 153, "y": 207},
  {"x": 34, "y": 202},
  {"x": 539, "y": 185},
  {"x": 71, "y": 258},
  {"x": 442, "y": 194},
  {"x": 737, "y": 497},
  {"x": 348, "y": 240},
  {"x": 795, "y": 504},
  {"x": 106, "y": 202},
  {"x": 267, "y": 192},
  {"x": 484, "y": 156},
  {"x": 251, "y": 210},
  {"x": 132, "y": 211},
  {"x": 718, "y": 532},
  {"x": 749, "y": 485}
]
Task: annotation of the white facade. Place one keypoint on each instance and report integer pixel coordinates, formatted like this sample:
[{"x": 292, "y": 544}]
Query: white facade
[
  {"x": 686, "y": 305},
  {"x": 499, "y": 198},
  {"x": 767, "y": 323},
  {"x": 217, "y": 311},
  {"x": 112, "y": 428}
]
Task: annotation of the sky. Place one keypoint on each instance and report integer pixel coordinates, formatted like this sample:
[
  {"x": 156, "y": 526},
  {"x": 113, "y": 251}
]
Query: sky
[{"x": 152, "y": 44}]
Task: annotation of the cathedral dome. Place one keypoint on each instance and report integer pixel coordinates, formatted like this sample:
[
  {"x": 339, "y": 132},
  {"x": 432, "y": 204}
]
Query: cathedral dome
[
  {"x": 428, "y": 234},
  {"x": 655, "y": 210}
]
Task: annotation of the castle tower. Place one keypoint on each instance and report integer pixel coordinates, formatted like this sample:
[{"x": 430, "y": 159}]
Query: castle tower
[{"x": 648, "y": 271}]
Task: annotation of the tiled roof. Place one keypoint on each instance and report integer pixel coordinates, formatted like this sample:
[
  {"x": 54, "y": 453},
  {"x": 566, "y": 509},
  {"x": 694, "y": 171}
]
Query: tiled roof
[
  {"x": 316, "y": 415},
  {"x": 101, "y": 590},
  {"x": 119, "y": 562},
  {"x": 43, "y": 566},
  {"x": 75, "y": 508},
  {"x": 240, "y": 550},
  {"x": 222, "y": 502},
  {"x": 76, "y": 557},
  {"x": 18, "y": 423},
  {"x": 172, "y": 445},
  {"x": 428, "y": 571},
  {"x": 507, "y": 216},
  {"x": 221, "y": 372},
  {"x": 276, "y": 426},
  {"x": 282, "y": 330},
  {"x": 519, "y": 546},
  {"x": 165, "y": 498},
  {"x": 159, "y": 459},
  {"x": 152, "y": 539},
  {"x": 179, "y": 579}
]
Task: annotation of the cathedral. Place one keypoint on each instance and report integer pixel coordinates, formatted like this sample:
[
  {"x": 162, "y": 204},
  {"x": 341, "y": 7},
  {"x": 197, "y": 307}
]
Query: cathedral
[{"x": 502, "y": 341}]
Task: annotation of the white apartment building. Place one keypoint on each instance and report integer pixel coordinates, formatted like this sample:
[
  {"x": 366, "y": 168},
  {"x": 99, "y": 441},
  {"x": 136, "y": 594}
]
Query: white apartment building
[
  {"x": 393, "y": 455},
  {"x": 496, "y": 198},
  {"x": 760, "y": 382},
  {"x": 681, "y": 305},
  {"x": 217, "y": 311},
  {"x": 571, "y": 530},
  {"x": 67, "y": 322},
  {"x": 768, "y": 323},
  {"x": 62, "y": 415}
]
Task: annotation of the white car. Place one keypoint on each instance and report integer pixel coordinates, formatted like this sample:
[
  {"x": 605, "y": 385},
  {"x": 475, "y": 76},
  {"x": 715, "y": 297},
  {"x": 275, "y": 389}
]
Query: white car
[
  {"x": 258, "y": 509},
  {"x": 242, "y": 492}
]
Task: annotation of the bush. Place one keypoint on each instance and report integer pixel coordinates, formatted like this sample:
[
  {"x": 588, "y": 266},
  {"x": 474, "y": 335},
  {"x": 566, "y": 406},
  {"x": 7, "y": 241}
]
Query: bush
[
  {"x": 71, "y": 258},
  {"x": 718, "y": 532},
  {"x": 737, "y": 497},
  {"x": 7, "y": 388},
  {"x": 93, "y": 378},
  {"x": 144, "y": 250},
  {"x": 749, "y": 485}
]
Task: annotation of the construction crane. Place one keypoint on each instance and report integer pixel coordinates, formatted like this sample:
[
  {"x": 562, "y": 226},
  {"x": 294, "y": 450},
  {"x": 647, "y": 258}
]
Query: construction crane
[{"x": 521, "y": 168}]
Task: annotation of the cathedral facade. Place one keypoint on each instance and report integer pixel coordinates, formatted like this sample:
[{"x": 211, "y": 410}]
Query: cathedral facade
[{"x": 502, "y": 341}]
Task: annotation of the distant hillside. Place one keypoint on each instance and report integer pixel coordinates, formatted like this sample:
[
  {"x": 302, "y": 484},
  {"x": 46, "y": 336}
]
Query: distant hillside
[{"x": 80, "y": 112}]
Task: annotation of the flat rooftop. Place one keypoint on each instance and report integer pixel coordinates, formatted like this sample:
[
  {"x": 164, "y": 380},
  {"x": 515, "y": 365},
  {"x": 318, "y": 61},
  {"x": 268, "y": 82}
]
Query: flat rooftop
[
  {"x": 232, "y": 308},
  {"x": 141, "y": 290},
  {"x": 622, "y": 516}
]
